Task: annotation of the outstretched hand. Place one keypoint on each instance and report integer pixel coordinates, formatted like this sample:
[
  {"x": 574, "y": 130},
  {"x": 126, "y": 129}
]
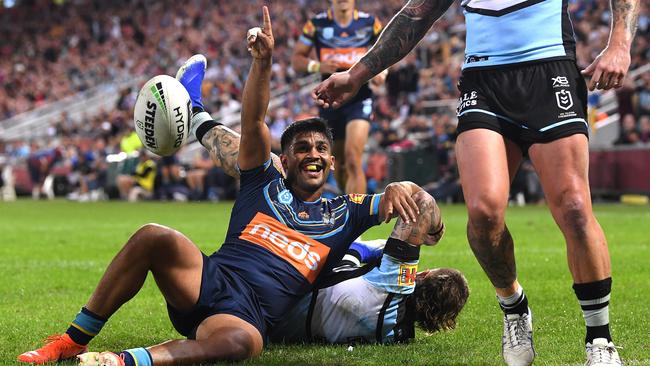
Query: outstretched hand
[
  {"x": 335, "y": 90},
  {"x": 260, "y": 40}
]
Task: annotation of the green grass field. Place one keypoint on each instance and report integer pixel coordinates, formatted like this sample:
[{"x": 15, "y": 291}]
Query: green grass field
[{"x": 53, "y": 253}]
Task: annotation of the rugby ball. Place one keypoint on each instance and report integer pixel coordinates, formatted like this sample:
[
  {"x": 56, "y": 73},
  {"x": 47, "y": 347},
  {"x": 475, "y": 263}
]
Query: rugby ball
[{"x": 162, "y": 115}]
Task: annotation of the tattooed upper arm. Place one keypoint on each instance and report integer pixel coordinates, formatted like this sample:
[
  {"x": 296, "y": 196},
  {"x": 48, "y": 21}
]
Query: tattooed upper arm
[
  {"x": 403, "y": 32},
  {"x": 223, "y": 145}
]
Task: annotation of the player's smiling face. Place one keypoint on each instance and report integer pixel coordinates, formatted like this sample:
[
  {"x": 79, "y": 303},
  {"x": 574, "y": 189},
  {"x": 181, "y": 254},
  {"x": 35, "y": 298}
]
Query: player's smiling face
[{"x": 307, "y": 163}]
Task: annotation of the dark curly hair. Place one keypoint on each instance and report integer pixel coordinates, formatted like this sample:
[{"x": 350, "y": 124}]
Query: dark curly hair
[{"x": 438, "y": 298}]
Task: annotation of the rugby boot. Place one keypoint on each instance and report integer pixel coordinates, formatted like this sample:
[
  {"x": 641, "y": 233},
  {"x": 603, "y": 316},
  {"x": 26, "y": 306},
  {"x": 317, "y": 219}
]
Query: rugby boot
[
  {"x": 602, "y": 353},
  {"x": 517, "y": 341},
  {"x": 57, "y": 348},
  {"x": 191, "y": 75}
]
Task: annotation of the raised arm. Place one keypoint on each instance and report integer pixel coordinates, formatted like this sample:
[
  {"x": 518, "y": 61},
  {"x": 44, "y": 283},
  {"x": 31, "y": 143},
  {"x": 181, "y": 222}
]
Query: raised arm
[
  {"x": 255, "y": 146},
  {"x": 223, "y": 145},
  {"x": 399, "y": 37},
  {"x": 610, "y": 66}
]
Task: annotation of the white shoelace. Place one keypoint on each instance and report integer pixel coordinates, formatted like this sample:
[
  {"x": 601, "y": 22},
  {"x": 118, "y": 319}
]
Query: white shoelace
[
  {"x": 603, "y": 354},
  {"x": 517, "y": 335}
]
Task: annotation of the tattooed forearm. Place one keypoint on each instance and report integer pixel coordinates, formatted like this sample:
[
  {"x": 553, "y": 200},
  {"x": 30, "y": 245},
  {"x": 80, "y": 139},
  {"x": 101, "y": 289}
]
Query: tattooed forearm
[
  {"x": 429, "y": 220},
  {"x": 403, "y": 32},
  {"x": 495, "y": 253},
  {"x": 223, "y": 145},
  {"x": 625, "y": 14}
]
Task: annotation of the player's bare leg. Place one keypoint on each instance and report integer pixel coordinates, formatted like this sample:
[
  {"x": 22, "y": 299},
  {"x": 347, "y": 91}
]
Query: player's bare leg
[
  {"x": 484, "y": 157},
  {"x": 356, "y": 137},
  {"x": 219, "y": 337},
  {"x": 175, "y": 262},
  {"x": 563, "y": 166}
]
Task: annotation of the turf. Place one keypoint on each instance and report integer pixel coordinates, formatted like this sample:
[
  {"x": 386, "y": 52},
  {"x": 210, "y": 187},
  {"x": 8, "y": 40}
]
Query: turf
[{"x": 53, "y": 253}]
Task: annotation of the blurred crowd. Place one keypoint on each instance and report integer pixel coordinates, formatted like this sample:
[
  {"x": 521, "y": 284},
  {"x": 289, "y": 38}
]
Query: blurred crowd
[{"x": 43, "y": 59}]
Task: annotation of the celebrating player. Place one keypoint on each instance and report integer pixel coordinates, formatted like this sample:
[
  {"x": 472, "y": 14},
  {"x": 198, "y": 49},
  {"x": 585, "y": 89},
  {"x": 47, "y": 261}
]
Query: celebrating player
[
  {"x": 521, "y": 92},
  {"x": 340, "y": 36},
  {"x": 280, "y": 237}
]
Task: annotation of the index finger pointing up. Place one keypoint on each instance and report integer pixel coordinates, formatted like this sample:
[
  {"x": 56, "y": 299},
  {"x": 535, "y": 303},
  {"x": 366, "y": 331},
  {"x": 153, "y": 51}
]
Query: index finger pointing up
[{"x": 267, "y": 21}]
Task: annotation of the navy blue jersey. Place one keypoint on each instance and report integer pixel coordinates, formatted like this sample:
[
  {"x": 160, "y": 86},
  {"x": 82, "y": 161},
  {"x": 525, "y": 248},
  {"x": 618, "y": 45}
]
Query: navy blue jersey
[
  {"x": 502, "y": 32},
  {"x": 279, "y": 244},
  {"x": 345, "y": 45}
]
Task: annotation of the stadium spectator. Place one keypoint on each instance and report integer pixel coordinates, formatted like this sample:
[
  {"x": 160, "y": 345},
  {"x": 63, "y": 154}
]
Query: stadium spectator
[
  {"x": 140, "y": 184},
  {"x": 497, "y": 126},
  {"x": 644, "y": 129},
  {"x": 629, "y": 134}
]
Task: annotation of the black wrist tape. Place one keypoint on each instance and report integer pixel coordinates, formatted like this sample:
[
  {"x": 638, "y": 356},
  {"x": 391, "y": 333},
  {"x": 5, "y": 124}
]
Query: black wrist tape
[
  {"x": 401, "y": 250},
  {"x": 205, "y": 127}
]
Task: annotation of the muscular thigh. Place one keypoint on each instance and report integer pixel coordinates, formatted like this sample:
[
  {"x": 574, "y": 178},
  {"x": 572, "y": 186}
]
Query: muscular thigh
[
  {"x": 487, "y": 162},
  {"x": 178, "y": 269},
  {"x": 562, "y": 166}
]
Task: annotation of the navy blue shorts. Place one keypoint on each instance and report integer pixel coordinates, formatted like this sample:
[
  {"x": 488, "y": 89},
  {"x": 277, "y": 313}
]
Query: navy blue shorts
[
  {"x": 337, "y": 119},
  {"x": 222, "y": 292}
]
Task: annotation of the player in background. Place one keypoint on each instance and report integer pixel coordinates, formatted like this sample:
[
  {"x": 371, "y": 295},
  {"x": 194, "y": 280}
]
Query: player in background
[
  {"x": 340, "y": 36},
  {"x": 521, "y": 93},
  {"x": 225, "y": 303}
]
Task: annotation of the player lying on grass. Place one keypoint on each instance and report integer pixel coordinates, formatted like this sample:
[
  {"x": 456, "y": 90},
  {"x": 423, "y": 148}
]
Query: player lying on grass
[
  {"x": 280, "y": 237},
  {"x": 379, "y": 302}
]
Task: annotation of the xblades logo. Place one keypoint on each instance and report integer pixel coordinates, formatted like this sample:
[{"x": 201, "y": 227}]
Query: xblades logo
[{"x": 157, "y": 91}]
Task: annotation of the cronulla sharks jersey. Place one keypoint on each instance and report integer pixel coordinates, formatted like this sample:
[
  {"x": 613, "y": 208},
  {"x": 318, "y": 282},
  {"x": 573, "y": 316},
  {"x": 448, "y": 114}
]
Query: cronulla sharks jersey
[
  {"x": 279, "y": 244},
  {"x": 501, "y": 32},
  {"x": 367, "y": 307}
]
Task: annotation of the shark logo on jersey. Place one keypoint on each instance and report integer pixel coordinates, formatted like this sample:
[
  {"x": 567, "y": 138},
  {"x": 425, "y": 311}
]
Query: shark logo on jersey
[{"x": 564, "y": 100}]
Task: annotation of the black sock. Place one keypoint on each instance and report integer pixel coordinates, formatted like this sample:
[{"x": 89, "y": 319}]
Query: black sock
[
  {"x": 594, "y": 301},
  {"x": 517, "y": 303}
]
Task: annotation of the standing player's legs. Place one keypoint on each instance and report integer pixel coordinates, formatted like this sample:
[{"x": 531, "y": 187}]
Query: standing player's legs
[
  {"x": 484, "y": 157},
  {"x": 563, "y": 166},
  {"x": 356, "y": 137}
]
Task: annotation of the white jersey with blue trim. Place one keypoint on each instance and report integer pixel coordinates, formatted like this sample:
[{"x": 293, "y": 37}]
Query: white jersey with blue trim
[{"x": 503, "y": 32}]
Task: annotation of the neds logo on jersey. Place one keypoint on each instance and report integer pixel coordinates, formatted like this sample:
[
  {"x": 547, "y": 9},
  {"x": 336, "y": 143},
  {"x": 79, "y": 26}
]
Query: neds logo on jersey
[{"x": 302, "y": 252}]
